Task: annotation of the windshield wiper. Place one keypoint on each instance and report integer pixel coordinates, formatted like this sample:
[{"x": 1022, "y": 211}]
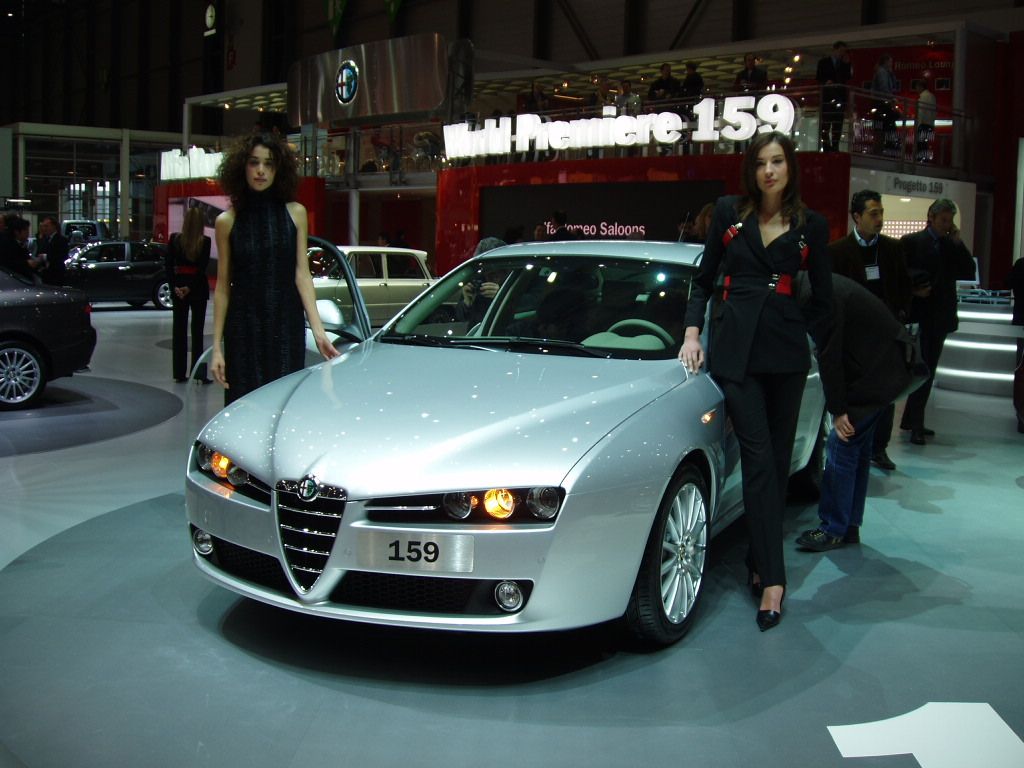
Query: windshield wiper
[
  {"x": 541, "y": 346},
  {"x": 415, "y": 339}
]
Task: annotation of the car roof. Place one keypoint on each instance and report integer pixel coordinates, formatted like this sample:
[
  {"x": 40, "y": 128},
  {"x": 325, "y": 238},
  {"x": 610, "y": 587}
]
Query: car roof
[
  {"x": 642, "y": 250},
  {"x": 347, "y": 249}
]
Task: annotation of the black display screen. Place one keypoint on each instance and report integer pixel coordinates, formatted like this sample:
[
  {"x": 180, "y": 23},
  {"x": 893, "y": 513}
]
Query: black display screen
[{"x": 602, "y": 211}]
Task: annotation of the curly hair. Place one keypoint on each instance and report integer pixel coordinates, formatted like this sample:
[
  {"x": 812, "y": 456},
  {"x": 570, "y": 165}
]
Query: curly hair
[
  {"x": 232, "y": 168},
  {"x": 792, "y": 206}
]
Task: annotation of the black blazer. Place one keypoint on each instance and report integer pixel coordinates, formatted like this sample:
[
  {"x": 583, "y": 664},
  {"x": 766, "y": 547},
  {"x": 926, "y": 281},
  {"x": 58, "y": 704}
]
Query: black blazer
[
  {"x": 755, "y": 328},
  {"x": 183, "y": 273},
  {"x": 848, "y": 260},
  {"x": 863, "y": 362},
  {"x": 828, "y": 71},
  {"x": 56, "y": 250},
  {"x": 940, "y": 265}
]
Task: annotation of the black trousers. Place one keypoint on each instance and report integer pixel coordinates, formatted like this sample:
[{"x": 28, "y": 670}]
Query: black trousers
[
  {"x": 931, "y": 348},
  {"x": 764, "y": 409},
  {"x": 179, "y": 341},
  {"x": 883, "y": 428}
]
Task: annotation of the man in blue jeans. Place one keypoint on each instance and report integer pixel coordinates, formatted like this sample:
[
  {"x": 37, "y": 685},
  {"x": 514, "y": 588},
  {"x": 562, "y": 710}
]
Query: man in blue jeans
[{"x": 864, "y": 367}]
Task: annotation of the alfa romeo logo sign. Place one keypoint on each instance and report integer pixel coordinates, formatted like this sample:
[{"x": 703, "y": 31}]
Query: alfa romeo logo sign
[
  {"x": 309, "y": 488},
  {"x": 347, "y": 83}
]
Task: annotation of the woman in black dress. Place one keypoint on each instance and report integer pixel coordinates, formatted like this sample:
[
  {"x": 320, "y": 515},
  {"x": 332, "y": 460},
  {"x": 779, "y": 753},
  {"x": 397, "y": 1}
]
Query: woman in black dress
[
  {"x": 759, "y": 354},
  {"x": 263, "y": 280},
  {"x": 188, "y": 255}
]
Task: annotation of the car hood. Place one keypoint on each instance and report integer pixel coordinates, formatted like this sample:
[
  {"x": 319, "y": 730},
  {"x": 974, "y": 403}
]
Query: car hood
[{"x": 396, "y": 419}]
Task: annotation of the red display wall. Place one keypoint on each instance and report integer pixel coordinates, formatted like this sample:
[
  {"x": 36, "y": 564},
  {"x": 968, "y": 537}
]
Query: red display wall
[
  {"x": 824, "y": 182},
  {"x": 312, "y": 194}
]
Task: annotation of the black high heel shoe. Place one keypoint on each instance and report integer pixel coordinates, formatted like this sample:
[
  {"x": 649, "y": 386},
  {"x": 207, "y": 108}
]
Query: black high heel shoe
[{"x": 768, "y": 619}]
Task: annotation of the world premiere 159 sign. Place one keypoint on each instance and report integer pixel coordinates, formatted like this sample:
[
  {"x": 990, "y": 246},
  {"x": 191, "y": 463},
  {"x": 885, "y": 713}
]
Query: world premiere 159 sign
[{"x": 741, "y": 117}]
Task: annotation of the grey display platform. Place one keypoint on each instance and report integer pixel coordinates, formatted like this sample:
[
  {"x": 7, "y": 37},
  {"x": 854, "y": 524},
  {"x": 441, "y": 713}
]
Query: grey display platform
[{"x": 115, "y": 651}]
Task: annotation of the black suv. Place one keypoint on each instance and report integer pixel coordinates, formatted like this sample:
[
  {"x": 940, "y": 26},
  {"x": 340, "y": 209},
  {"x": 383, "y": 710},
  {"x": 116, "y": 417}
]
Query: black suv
[{"x": 115, "y": 270}]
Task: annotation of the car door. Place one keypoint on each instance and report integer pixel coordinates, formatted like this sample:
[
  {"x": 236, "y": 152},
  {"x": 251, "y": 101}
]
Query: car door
[
  {"x": 99, "y": 271},
  {"x": 369, "y": 271},
  {"x": 144, "y": 270},
  {"x": 405, "y": 278},
  {"x": 334, "y": 279}
]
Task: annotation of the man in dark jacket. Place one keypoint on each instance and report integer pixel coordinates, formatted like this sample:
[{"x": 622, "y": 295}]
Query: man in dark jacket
[
  {"x": 864, "y": 367},
  {"x": 13, "y": 253},
  {"x": 936, "y": 259},
  {"x": 55, "y": 247},
  {"x": 833, "y": 73},
  {"x": 876, "y": 262}
]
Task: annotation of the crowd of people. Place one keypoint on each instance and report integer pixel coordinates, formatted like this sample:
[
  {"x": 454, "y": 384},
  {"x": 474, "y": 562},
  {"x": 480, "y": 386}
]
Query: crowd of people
[{"x": 44, "y": 261}]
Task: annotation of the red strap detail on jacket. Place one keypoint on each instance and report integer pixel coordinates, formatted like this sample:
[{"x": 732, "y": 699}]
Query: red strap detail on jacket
[
  {"x": 730, "y": 233},
  {"x": 805, "y": 251},
  {"x": 783, "y": 285},
  {"x": 186, "y": 270}
]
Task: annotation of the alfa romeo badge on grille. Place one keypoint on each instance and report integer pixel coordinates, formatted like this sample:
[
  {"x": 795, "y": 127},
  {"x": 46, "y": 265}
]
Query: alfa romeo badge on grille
[{"x": 309, "y": 488}]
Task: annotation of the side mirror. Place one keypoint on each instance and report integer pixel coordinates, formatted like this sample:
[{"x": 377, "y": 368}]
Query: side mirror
[{"x": 330, "y": 315}]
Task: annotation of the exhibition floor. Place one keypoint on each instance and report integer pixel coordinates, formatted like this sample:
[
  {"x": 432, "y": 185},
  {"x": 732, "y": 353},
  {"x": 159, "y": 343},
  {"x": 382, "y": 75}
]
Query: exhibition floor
[{"x": 115, "y": 651}]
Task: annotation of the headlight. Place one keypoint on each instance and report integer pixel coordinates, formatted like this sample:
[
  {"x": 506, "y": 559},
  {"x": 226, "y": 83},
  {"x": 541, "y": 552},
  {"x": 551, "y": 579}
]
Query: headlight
[
  {"x": 499, "y": 503},
  {"x": 220, "y": 465},
  {"x": 505, "y": 504},
  {"x": 459, "y": 505},
  {"x": 543, "y": 502}
]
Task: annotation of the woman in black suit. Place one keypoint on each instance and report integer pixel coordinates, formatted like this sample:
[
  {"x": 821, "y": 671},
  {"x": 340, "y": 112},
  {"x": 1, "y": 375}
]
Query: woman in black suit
[
  {"x": 188, "y": 256},
  {"x": 758, "y": 354}
]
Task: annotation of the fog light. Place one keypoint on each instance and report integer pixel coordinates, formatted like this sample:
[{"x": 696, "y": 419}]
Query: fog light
[
  {"x": 499, "y": 503},
  {"x": 202, "y": 542},
  {"x": 508, "y": 596},
  {"x": 459, "y": 505},
  {"x": 543, "y": 502}
]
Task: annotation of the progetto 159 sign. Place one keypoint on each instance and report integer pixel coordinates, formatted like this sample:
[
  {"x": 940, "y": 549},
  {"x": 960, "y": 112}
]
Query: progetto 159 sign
[{"x": 741, "y": 118}]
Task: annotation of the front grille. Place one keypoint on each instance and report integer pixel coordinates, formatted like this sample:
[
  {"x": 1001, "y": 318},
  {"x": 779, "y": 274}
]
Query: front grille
[
  {"x": 308, "y": 529},
  {"x": 420, "y": 594},
  {"x": 249, "y": 565}
]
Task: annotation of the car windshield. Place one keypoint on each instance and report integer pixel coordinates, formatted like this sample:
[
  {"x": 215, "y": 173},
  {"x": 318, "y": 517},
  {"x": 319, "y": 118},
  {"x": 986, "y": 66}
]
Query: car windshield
[{"x": 568, "y": 305}]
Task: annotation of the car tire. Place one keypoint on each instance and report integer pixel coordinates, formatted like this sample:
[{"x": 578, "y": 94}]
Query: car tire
[
  {"x": 162, "y": 298},
  {"x": 670, "y": 581},
  {"x": 22, "y": 375},
  {"x": 805, "y": 485}
]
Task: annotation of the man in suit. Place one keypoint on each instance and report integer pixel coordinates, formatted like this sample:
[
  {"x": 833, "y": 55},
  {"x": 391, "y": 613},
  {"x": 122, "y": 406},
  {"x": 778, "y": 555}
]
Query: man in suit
[
  {"x": 863, "y": 365},
  {"x": 833, "y": 73},
  {"x": 55, "y": 247},
  {"x": 876, "y": 262},
  {"x": 936, "y": 259},
  {"x": 751, "y": 77}
]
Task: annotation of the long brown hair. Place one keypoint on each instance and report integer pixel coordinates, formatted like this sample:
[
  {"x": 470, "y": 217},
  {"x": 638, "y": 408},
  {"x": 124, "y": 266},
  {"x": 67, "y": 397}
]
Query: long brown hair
[
  {"x": 792, "y": 206},
  {"x": 191, "y": 238}
]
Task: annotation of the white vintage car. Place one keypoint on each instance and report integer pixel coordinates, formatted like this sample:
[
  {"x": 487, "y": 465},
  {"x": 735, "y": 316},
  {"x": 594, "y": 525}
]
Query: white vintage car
[
  {"x": 389, "y": 278},
  {"x": 536, "y": 459}
]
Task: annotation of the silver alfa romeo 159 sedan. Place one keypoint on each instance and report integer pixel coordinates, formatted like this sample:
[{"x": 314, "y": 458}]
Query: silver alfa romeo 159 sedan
[{"x": 518, "y": 450}]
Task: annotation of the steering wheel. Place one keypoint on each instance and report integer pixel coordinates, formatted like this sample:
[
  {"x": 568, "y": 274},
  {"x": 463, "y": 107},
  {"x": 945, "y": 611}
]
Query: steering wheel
[{"x": 645, "y": 325}]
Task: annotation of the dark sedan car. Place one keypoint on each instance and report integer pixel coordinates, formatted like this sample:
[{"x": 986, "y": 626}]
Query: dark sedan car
[
  {"x": 45, "y": 333},
  {"x": 117, "y": 270}
]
